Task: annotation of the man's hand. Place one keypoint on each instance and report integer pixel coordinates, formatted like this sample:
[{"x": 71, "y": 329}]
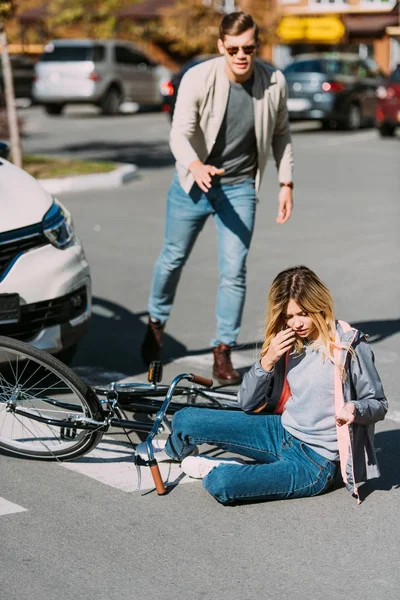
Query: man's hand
[
  {"x": 347, "y": 414},
  {"x": 202, "y": 174},
  {"x": 285, "y": 204}
]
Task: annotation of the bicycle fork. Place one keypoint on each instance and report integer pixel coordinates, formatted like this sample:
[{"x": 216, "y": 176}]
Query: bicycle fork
[{"x": 150, "y": 461}]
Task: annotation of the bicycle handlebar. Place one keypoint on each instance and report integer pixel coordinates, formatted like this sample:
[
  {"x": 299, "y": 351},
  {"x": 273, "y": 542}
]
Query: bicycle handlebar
[{"x": 202, "y": 380}]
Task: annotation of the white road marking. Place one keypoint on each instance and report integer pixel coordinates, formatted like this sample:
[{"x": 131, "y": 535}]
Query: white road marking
[
  {"x": 8, "y": 508},
  {"x": 111, "y": 463}
]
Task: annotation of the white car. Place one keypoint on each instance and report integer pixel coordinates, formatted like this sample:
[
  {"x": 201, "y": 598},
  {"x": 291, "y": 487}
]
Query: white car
[{"x": 45, "y": 285}]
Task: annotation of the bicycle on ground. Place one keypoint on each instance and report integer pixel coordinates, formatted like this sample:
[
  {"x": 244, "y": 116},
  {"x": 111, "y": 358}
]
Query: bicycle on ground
[{"x": 48, "y": 413}]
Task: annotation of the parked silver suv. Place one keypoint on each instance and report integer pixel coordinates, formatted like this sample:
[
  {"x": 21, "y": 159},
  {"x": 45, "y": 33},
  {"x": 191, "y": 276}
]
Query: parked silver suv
[{"x": 101, "y": 72}]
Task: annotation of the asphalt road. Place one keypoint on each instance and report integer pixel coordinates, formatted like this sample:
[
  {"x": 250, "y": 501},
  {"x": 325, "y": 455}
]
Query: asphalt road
[{"x": 82, "y": 535}]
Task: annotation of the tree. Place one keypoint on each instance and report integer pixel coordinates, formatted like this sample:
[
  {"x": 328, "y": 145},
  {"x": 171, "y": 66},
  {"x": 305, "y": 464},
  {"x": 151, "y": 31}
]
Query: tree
[
  {"x": 92, "y": 18},
  {"x": 6, "y": 11},
  {"x": 191, "y": 26}
]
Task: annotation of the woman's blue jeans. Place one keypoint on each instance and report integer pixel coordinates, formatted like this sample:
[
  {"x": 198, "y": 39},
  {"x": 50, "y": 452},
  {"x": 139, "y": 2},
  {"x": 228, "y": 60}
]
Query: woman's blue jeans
[
  {"x": 284, "y": 467},
  {"x": 233, "y": 207}
]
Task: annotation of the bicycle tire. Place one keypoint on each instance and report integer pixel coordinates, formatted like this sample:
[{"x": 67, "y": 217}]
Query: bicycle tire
[{"x": 28, "y": 435}]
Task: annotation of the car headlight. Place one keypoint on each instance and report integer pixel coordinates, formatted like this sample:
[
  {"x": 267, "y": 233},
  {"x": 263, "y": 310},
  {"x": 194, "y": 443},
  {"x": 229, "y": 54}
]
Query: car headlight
[{"x": 57, "y": 226}]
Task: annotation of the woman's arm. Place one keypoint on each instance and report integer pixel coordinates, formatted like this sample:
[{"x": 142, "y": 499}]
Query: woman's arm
[
  {"x": 370, "y": 401},
  {"x": 253, "y": 390}
]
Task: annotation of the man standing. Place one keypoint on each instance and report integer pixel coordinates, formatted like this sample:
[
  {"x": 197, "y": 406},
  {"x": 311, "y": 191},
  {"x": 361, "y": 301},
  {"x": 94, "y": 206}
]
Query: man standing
[{"x": 229, "y": 112}]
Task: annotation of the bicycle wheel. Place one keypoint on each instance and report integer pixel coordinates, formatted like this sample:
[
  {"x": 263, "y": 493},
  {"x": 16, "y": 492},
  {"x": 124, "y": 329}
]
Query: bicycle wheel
[{"x": 39, "y": 397}]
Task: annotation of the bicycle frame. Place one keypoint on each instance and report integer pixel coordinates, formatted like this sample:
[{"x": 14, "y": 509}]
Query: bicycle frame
[
  {"x": 151, "y": 461},
  {"x": 75, "y": 422}
]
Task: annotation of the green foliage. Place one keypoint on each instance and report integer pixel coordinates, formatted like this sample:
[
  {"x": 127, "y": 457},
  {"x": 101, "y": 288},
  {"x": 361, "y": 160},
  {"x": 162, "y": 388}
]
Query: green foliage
[
  {"x": 191, "y": 27},
  {"x": 7, "y": 9},
  {"x": 92, "y": 18}
]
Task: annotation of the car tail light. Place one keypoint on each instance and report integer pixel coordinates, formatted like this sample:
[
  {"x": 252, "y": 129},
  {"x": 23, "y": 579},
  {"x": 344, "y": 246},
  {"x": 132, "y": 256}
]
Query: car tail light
[
  {"x": 166, "y": 108},
  {"x": 332, "y": 86},
  {"x": 94, "y": 76},
  {"x": 379, "y": 115},
  {"x": 167, "y": 88},
  {"x": 383, "y": 92}
]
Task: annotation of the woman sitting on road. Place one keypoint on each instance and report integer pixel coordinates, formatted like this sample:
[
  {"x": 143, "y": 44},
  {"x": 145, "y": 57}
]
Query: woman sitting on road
[{"x": 318, "y": 377}]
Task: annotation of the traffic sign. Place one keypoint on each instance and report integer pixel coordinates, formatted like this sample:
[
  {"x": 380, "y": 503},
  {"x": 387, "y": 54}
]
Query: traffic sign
[{"x": 327, "y": 29}]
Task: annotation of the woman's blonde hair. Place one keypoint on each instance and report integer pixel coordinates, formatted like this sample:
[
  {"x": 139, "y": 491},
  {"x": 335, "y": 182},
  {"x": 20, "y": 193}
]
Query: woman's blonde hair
[{"x": 303, "y": 286}]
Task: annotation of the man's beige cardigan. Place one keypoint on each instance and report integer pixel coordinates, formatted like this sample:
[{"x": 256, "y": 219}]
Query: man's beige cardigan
[{"x": 200, "y": 108}]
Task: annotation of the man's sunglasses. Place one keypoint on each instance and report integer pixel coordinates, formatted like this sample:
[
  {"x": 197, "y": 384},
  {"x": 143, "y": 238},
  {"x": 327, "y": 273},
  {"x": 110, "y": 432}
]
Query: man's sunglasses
[{"x": 233, "y": 50}]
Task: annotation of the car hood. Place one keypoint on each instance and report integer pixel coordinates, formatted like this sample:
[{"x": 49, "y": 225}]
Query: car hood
[{"x": 23, "y": 201}]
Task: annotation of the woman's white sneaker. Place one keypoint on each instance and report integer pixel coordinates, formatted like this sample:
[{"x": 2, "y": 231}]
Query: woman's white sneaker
[
  {"x": 159, "y": 451},
  {"x": 200, "y": 466}
]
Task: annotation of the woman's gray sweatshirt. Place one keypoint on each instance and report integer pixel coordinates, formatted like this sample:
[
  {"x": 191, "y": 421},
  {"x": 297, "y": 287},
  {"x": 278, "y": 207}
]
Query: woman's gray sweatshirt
[{"x": 309, "y": 414}]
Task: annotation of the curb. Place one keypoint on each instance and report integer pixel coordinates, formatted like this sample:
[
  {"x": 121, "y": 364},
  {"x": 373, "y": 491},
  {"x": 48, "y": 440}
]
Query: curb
[{"x": 82, "y": 183}]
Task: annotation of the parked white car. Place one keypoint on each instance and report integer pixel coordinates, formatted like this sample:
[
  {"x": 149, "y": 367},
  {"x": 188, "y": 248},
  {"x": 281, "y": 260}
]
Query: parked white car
[
  {"x": 45, "y": 285},
  {"x": 106, "y": 73}
]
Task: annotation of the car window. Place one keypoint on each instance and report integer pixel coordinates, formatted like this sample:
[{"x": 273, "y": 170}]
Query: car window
[
  {"x": 395, "y": 76},
  {"x": 305, "y": 66},
  {"x": 362, "y": 69},
  {"x": 98, "y": 53},
  {"x": 55, "y": 53},
  {"x": 127, "y": 56},
  {"x": 334, "y": 67},
  {"x": 374, "y": 68}
]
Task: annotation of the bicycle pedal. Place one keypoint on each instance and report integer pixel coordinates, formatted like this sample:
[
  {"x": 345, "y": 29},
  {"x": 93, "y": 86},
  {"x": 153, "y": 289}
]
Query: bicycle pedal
[{"x": 155, "y": 372}]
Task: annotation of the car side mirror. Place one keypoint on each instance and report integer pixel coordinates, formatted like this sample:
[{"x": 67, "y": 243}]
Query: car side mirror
[{"x": 4, "y": 150}]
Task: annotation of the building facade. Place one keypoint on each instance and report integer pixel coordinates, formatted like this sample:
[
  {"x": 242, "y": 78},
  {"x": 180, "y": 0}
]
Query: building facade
[{"x": 367, "y": 27}]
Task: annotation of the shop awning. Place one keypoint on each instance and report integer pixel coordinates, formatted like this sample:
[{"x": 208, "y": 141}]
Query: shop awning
[{"x": 369, "y": 24}]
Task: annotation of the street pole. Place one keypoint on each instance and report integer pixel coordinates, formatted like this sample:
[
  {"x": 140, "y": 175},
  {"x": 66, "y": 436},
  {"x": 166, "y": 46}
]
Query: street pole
[{"x": 15, "y": 141}]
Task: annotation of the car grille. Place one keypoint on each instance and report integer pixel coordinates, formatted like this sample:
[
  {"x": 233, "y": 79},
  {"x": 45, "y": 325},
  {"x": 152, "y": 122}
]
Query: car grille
[
  {"x": 9, "y": 251},
  {"x": 39, "y": 315}
]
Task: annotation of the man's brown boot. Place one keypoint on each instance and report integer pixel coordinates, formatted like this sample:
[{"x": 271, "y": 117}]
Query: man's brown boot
[
  {"x": 152, "y": 343},
  {"x": 223, "y": 369}
]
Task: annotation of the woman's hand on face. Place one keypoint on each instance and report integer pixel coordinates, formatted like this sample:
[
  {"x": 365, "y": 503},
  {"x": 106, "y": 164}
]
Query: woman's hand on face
[
  {"x": 279, "y": 345},
  {"x": 347, "y": 414}
]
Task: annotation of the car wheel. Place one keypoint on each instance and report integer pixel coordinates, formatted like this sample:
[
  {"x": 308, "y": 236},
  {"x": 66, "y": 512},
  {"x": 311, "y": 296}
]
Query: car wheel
[
  {"x": 386, "y": 130},
  {"x": 353, "y": 118},
  {"x": 53, "y": 109},
  {"x": 111, "y": 101}
]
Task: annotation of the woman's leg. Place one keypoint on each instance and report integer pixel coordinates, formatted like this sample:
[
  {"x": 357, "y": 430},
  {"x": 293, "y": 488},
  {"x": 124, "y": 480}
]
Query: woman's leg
[
  {"x": 255, "y": 436},
  {"x": 300, "y": 472}
]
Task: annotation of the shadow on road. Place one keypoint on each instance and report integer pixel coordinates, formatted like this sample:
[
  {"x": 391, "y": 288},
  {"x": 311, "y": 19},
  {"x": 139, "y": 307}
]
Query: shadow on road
[
  {"x": 145, "y": 155},
  {"x": 387, "y": 444},
  {"x": 378, "y": 330},
  {"x": 111, "y": 348}
]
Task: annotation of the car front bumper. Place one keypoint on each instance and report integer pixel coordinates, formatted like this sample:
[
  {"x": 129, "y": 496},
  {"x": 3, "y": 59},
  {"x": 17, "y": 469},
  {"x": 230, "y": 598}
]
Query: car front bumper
[{"x": 55, "y": 298}]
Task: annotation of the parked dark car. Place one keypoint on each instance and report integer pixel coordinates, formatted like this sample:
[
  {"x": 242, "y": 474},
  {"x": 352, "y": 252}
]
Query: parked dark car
[
  {"x": 169, "y": 89},
  {"x": 388, "y": 104},
  {"x": 338, "y": 90},
  {"x": 23, "y": 69}
]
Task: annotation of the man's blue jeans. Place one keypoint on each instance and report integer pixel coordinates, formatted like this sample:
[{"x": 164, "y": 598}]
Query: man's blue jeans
[
  {"x": 233, "y": 207},
  {"x": 284, "y": 467}
]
